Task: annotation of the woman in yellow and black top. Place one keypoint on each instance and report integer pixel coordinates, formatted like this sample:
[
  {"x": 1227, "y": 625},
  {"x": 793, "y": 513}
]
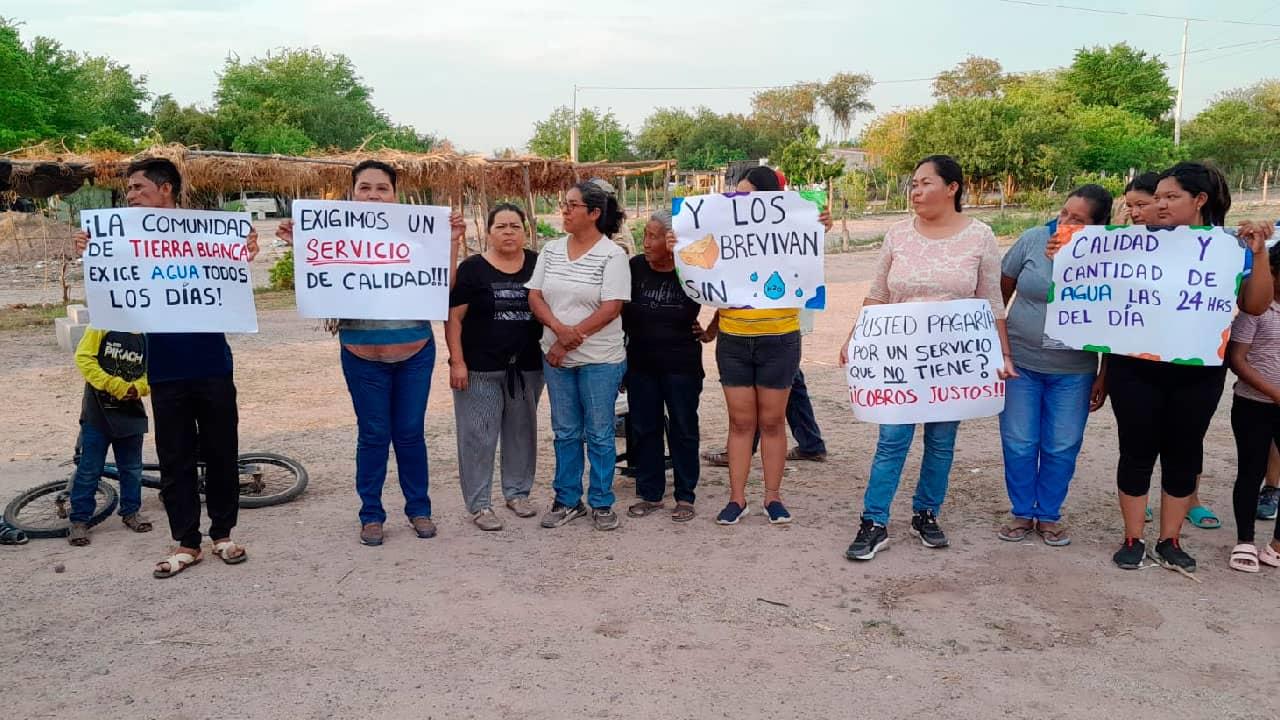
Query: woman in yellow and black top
[{"x": 758, "y": 353}]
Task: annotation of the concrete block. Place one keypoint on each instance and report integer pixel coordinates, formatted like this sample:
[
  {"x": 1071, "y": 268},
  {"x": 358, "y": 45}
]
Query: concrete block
[
  {"x": 68, "y": 333},
  {"x": 78, "y": 314}
]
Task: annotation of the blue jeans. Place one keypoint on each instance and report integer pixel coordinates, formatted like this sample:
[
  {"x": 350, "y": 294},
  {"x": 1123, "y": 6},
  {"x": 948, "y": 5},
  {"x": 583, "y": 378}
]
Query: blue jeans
[
  {"x": 390, "y": 401},
  {"x": 582, "y": 404},
  {"x": 891, "y": 455},
  {"x": 93, "y": 455},
  {"x": 1041, "y": 430}
]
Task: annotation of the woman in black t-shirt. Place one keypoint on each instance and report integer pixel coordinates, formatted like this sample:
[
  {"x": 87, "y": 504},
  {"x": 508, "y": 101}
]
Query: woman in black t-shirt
[
  {"x": 664, "y": 370},
  {"x": 495, "y": 368}
]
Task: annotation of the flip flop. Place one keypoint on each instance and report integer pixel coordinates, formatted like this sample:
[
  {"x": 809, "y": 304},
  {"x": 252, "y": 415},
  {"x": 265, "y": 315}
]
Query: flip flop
[
  {"x": 177, "y": 563},
  {"x": 226, "y": 552},
  {"x": 644, "y": 507},
  {"x": 1203, "y": 518},
  {"x": 1014, "y": 532},
  {"x": 683, "y": 513}
]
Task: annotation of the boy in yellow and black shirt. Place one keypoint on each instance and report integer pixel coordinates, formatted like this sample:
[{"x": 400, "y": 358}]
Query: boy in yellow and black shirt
[{"x": 114, "y": 365}]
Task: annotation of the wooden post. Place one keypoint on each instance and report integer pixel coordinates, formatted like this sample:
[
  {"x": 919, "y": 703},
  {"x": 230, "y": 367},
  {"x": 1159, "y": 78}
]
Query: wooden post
[
  {"x": 532, "y": 209},
  {"x": 623, "y": 203},
  {"x": 666, "y": 184},
  {"x": 1266, "y": 182}
]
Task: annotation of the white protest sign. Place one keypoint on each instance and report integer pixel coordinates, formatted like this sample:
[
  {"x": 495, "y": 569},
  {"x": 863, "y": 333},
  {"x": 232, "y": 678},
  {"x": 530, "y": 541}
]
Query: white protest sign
[
  {"x": 925, "y": 362},
  {"x": 371, "y": 261},
  {"x": 1160, "y": 293},
  {"x": 158, "y": 270},
  {"x": 750, "y": 250}
]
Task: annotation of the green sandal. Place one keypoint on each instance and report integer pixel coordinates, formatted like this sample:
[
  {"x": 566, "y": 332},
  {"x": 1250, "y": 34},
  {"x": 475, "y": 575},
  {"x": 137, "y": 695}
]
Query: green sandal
[{"x": 1203, "y": 518}]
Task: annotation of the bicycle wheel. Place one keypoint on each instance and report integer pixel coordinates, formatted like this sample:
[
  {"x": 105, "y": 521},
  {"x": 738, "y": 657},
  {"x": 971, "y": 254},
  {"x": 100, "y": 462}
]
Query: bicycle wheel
[
  {"x": 41, "y": 512},
  {"x": 269, "y": 479}
]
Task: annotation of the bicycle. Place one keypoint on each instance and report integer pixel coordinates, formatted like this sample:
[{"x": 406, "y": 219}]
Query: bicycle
[{"x": 43, "y": 511}]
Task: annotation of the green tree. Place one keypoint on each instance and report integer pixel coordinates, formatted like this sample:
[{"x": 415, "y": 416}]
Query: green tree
[
  {"x": 188, "y": 125},
  {"x": 318, "y": 94},
  {"x": 402, "y": 137},
  {"x": 113, "y": 97},
  {"x": 885, "y": 139},
  {"x": 23, "y": 110},
  {"x": 1120, "y": 76},
  {"x": 107, "y": 138},
  {"x": 600, "y": 136},
  {"x": 972, "y": 77},
  {"x": 805, "y": 161},
  {"x": 719, "y": 139},
  {"x": 844, "y": 96},
  {"x": 1113, "y": 140},
  {"x": 664, "y": 131},
  {"x": 273, "y": 138},
  {"x": 48, "y": 92},
  {"x": 1240, "y": 130},
  {"x": 782, "y": 114}
]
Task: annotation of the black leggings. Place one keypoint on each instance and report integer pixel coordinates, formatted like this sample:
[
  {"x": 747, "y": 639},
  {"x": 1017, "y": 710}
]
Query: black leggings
[
  {"x": 1162, "y": 410},
  {"x": 1256, "y": 426}
]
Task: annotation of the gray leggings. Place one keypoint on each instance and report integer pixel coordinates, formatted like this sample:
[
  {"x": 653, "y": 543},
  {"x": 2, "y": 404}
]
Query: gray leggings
[{"x": 484, "y": 412}]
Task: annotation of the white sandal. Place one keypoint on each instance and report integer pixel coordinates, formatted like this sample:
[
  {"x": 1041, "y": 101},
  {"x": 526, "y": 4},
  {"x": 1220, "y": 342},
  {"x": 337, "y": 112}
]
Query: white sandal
[
  {"x": 1244, "y": 557},
  {"x": 226, "y": 550},
  {"x": 1269, "y": 556},
  {"x": 177, "y": 562}
]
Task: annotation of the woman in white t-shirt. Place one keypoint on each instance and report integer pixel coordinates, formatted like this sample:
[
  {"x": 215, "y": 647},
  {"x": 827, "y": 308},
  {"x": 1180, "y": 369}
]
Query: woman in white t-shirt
[{"x": 577, "y": 290}]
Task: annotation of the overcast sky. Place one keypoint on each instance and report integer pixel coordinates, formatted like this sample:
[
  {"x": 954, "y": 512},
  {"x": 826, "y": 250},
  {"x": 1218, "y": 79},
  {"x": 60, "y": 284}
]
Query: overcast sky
[{"x": 481, "y": 72}]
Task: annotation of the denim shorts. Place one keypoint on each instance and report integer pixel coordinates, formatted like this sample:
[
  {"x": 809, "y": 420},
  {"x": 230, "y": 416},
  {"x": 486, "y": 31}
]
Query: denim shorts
[{"x": 768, "y": 361}]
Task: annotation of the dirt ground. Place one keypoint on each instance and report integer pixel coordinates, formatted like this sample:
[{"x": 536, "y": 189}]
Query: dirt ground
[{"x": 656, "y": 620}]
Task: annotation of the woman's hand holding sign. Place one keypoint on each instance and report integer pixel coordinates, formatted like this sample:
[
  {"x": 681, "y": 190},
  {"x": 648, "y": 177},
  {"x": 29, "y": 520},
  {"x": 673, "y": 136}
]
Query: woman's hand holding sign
[
  {"x": 1253, "y": 235},
  {"x": 284, "y": 231}
]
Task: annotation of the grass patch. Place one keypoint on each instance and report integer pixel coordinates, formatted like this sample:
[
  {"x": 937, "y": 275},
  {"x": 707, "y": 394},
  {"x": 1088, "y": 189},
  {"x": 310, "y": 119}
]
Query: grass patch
[
  {"x": 274, "y": 299},
  {"x": 835, "y": 244},
  {"x": 1013, "y": 224},
  {"x": 23, "y": 316}
]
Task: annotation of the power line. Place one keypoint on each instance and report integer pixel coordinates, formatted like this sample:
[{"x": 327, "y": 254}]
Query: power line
[
  {"x": 675, "y": 88},
  {"x": 1078, "y": 8}
]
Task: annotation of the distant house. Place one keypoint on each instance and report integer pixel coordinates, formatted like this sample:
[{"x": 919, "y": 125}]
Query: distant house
[{"x": 853, "y": 158}]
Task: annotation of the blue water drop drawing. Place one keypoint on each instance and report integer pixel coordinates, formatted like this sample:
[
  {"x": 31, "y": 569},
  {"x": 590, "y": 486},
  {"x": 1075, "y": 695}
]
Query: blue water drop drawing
[
  {"x": 755, "y": 277},
  {"x": 774, "y": 287},
  {"x": 799, "y": 293}
]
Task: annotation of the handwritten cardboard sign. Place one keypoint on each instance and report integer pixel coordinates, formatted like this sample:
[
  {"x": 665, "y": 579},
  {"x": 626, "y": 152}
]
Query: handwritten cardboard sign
[
  {"x": 925, "y": 362},
  {"x": 371, "y": 261},
  {"x": 750, "y": 250},
  {"x": 157, "y": 270},
  {"x": 1161, "y": 293}
]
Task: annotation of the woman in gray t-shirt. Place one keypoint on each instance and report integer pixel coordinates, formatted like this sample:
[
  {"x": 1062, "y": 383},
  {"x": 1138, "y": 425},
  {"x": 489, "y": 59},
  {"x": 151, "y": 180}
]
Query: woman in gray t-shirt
[{"x": 1048, "y": 403}]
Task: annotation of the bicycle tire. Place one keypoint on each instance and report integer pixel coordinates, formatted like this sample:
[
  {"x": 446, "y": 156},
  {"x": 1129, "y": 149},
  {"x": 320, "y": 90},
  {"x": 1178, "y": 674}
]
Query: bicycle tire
[
  {"x": 151, "y": 482},
  {"x": 270, "y": 495},
  {"x": 34, "y": 511}
]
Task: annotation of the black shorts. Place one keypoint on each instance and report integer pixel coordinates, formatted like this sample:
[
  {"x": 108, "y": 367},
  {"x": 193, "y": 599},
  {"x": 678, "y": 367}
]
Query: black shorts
[{"x": 768, "y": 361}]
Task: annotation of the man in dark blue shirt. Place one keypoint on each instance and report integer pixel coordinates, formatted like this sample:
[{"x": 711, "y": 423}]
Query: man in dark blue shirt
[{"x": 193, "y": 398}]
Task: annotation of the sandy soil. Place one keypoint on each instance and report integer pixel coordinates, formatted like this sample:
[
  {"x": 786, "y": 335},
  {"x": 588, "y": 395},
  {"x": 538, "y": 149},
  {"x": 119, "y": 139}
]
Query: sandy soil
[{"x": 654, "y": 620}]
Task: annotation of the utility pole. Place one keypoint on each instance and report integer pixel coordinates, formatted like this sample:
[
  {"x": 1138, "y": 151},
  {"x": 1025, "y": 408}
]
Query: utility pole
[
  {"x": 573, "y": 124},
  {"x": 1182, "y": 76}
]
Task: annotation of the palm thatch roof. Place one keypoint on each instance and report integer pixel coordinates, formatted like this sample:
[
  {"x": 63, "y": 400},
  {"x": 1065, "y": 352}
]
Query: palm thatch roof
[{"x": 42, "y": 171}]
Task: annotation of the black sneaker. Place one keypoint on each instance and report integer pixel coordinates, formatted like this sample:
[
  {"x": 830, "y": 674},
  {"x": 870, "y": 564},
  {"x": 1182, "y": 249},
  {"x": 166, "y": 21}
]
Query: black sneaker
[
  {"x": 1129, "y": 556},
  {"x": 925, "y": 526},
  {"x": 870, "y": 540},
  {"x": 1169, "y": 554}
]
